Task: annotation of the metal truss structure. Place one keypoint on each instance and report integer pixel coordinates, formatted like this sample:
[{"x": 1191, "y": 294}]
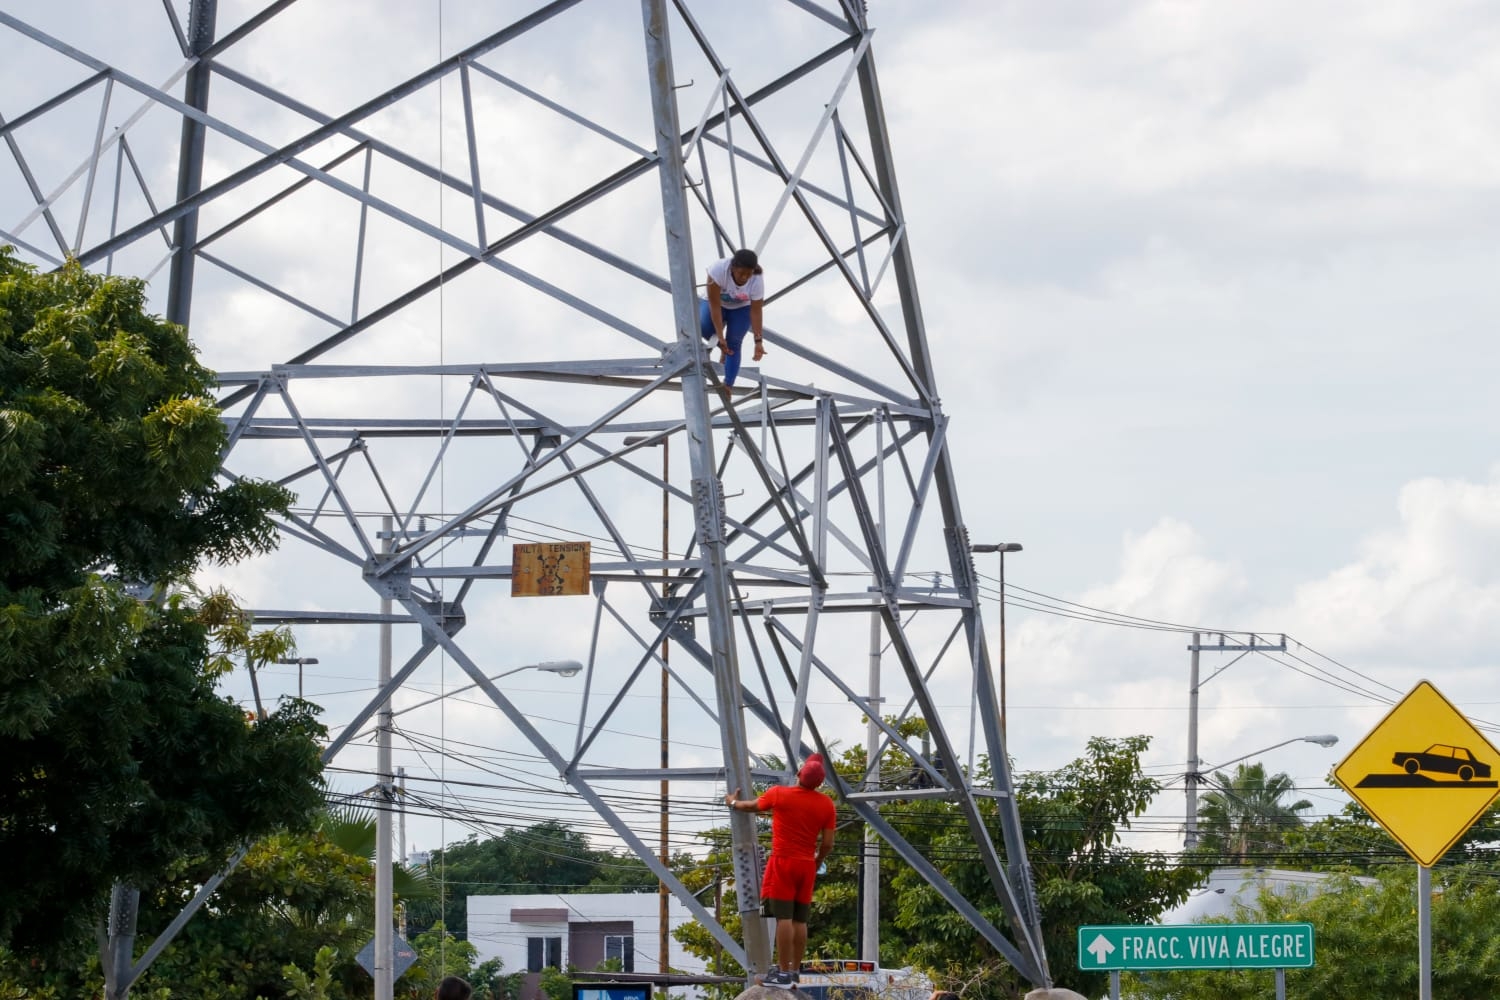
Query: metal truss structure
[{"x": 453, "y": 285}]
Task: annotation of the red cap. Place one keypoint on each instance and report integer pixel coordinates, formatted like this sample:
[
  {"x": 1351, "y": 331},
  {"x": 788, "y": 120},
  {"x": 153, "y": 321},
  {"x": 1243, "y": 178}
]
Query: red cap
[{"x": 812, "y": 774}]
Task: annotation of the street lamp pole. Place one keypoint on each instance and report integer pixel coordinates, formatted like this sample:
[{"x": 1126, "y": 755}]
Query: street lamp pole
[
  {"x": 562, "y": 668},
  {"x": 1001, "y": 548},
  {"x": 1191, "y": 839},
  {"x": 663, "y": 895},
  {"x": 385, "y": 789},
  {"x": 300, "y": 661}
]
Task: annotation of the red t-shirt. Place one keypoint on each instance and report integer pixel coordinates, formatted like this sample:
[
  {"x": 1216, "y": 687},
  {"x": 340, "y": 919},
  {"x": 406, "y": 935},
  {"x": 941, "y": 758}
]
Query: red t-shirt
[{"x": 798, "y": 816}]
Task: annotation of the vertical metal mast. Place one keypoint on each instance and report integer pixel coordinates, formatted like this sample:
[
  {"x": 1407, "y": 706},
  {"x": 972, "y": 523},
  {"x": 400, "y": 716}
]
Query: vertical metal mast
[
  {"x": 705, "y": 485},
  {"x": 202, "y": 18}
]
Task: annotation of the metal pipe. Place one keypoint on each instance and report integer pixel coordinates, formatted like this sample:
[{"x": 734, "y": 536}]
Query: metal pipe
[{"x": 202, "y": 19}]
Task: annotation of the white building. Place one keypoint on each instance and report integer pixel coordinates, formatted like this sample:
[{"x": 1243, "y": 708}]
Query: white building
[
  {"x": 1228, "y": 888},
  {"x": 583, "y": 930}
]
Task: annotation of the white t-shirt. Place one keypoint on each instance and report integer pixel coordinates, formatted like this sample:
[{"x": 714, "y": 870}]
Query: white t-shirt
[{"x": 732, "y": 296}]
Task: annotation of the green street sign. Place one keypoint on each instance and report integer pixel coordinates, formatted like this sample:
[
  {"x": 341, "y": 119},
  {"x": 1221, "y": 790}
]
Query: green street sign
[{"x": 1196, "y": 946}]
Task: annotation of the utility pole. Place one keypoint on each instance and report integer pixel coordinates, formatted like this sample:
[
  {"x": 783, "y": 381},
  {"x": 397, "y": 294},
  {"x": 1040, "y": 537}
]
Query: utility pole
[
  {"x": 401, "y": 815},
  {"x": 869, "y": 924},
  {"x": 1190, "y": 828},
  {"x": 663, "y": 894},
  {"x": 385, "y": 945},
  {"x": 1001, "y": 548},
  {"x": 869, "y": 936}
]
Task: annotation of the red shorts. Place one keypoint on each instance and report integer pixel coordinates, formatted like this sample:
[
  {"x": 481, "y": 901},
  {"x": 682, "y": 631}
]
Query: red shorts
[{"x": 789, "y": 879}]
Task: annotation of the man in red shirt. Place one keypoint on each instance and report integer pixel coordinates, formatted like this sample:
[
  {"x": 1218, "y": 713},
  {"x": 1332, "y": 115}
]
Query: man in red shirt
[{"x": 802, "y": 822}]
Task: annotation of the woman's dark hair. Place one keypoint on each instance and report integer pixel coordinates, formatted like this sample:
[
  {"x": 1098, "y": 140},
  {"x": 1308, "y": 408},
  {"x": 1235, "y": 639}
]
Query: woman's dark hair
[
  {"x": 745, "y": 258},
  {"x": 454, "y": 988}
]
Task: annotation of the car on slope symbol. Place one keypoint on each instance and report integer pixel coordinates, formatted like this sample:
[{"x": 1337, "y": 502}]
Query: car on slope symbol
[{"x": 1444, "y": 759}]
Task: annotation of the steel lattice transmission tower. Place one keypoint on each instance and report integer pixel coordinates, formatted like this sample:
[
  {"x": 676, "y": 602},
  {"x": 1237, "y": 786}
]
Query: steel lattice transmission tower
[{"x": 445, "y": 262}]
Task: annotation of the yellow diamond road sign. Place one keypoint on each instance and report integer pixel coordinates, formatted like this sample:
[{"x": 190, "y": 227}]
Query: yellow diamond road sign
[{"x": 1425, "y": 773}]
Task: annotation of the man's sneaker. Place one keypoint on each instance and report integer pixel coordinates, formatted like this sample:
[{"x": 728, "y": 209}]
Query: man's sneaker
[{"x": 779, "y": 980}]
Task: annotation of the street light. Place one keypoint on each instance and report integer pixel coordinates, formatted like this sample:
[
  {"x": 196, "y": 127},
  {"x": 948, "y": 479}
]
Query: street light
[
  {"x": 300, "y": 661},
  {"x": 1002, "y": 548},
  {"x": 562, "y": 668},
  {"x": 1190, "y": 840},
  {"x": 663, "y": 906}
]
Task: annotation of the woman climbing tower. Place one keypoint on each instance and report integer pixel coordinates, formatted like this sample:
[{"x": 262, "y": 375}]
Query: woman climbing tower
[{"x": 735, "y": 295}]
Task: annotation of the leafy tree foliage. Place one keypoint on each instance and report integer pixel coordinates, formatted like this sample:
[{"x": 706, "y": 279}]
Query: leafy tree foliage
[
  {"x": 1351, "y": 841},
  {"x": 545, "y": 857},
  {"x": 288, "y": 921},
  {"x": 1072, "y": 820},
  {"x": 118, "y": 761},
  {"x": 1365, "y": 941},
  {"x": 1245, "y": 814}
]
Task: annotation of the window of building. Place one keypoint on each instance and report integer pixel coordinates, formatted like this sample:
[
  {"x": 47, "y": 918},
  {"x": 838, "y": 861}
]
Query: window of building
[
  {"x": 621, "y": 946},
  {"x": 543, "y": 953}
]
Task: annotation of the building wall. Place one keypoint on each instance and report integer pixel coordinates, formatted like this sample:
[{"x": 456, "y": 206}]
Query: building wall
[
  {"x": 500, "y": 926},
  {"x": 1229, "y": 888}
]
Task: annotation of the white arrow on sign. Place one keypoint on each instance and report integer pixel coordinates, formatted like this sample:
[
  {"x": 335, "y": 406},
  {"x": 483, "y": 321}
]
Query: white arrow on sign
[{"x": 1101, "y": 948}]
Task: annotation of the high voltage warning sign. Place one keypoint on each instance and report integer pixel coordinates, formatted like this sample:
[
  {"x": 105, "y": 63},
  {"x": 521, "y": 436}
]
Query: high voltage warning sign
[
  {"x": 549, "y": 569},
  {"x": 1425, "y": 773}
]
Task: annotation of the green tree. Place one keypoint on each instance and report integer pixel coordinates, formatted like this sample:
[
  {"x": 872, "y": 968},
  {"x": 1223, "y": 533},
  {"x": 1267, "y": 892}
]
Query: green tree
[
  {"x": 1365, "y": 933},
  {"x": 292, "y": 896},
  {"x": 292, "y": 899},
  {"x": 1245, "y": 815},
  {"x": 544, "y": 857},
  {"x": 1351, "y": 841},
  {"x": 1072, "y": 820},
  {"x": 439, "y": 954},
  {"x": 118, "y": 760}
]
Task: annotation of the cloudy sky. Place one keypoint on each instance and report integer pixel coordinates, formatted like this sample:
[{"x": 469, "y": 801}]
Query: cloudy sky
[
  {"x": 1227, "y": 269},
  {"x": 1208, "y": 288}
]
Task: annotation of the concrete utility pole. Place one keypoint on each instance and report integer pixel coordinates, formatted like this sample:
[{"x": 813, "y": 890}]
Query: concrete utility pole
[
  {"x": 869, "y": 923},
  {"x": 1194, "y": 765},
  {"x": 663, "y": 894},
  {"x": 385, "y": 945},
  {"x": 869, "y": 937}
]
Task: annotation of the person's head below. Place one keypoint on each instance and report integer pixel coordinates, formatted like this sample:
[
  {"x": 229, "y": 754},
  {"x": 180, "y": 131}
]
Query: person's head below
[
  {"x": 943, "y": 995},
  {"x": 454, "y": 988},
  {"x": 812, "y": 774},
  {"x": 743, "y": 266}
]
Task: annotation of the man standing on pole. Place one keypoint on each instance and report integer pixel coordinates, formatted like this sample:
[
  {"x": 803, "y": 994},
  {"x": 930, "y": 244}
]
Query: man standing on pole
[{"x": 802, "y": 825}]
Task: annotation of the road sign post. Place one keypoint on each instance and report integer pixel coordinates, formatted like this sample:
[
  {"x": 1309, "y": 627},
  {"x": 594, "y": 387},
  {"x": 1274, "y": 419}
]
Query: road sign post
[
  {"x": 1195, "y": 946},
  {"x": 1160, "y": 947},
  {"x": 1426, "y": 775},
  {"x": 403, "y": 955}
]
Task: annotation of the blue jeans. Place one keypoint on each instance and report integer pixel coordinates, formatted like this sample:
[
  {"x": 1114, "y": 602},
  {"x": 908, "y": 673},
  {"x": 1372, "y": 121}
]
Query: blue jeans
[{"x": 736, "y": 325}]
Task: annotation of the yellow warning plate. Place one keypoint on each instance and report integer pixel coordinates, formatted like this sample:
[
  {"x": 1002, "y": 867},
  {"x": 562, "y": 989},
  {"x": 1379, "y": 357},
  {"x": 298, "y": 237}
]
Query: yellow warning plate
[
  {"x": 1425, "y": 773},
  {"x": 549, "y": 569}
]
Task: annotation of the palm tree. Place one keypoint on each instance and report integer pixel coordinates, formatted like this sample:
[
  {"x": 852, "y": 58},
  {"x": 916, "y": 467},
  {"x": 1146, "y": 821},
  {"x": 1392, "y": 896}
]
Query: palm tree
[
  {"x": 352, "y": 830},
  {"x": 1245, "y": 813}
]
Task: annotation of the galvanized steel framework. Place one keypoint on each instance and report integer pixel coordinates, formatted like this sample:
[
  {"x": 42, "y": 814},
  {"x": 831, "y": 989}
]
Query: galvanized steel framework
[{"x": 767, "y": 576}]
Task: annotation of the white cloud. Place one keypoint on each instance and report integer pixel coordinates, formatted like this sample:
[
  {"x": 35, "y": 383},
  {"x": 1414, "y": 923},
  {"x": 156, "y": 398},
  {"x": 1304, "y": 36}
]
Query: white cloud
[{"x": 1424, "y": 589}]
